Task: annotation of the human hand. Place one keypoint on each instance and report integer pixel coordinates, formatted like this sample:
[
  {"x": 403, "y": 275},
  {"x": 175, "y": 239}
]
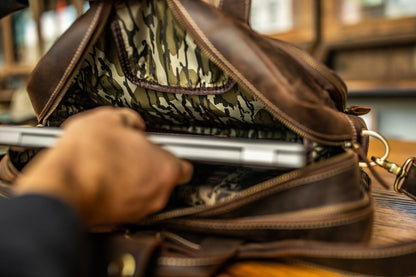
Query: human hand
[{"x": 106, "y": 168}]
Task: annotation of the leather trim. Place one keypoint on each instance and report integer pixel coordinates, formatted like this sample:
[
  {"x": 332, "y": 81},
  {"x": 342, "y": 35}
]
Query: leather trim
[
  {"x": 300, "y": 104},
  {"x": 54, "y": 73}
]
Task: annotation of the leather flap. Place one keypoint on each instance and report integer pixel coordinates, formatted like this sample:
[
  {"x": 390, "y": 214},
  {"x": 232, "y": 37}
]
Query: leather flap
[
  {"x": 269, "y": 73},
  {"x": 54, "y": 73}
]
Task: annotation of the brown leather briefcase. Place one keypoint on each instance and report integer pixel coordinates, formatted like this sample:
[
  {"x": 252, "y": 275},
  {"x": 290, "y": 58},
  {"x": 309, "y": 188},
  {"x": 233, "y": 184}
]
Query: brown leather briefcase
[{"x": 188, "y": 67}]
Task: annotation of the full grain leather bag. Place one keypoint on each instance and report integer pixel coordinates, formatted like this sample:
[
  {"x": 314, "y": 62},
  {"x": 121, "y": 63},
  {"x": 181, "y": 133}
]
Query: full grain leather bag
[{"x": 188, "y": 67}]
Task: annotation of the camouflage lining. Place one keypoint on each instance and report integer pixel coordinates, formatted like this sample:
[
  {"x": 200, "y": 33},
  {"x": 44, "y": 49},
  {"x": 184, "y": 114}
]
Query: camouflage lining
[{"x": 157, "y": 78}]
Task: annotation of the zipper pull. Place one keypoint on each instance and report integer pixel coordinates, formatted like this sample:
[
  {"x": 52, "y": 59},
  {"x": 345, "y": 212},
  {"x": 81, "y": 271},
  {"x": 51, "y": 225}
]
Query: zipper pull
[
  {"x": 357, "y": 110},
  {"x": 405, "y": 181}
]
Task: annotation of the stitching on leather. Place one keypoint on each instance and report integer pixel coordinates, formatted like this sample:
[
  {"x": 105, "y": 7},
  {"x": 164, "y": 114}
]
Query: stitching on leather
[
  {"x": 280, "y": 183},
  {"x": 74, "y": 59},
  {"x": 246, "y": 82},
  {"x": 354, "y": 131},
  {"x": 123, "y": 56},
  {"x": 263, "y": 189}
]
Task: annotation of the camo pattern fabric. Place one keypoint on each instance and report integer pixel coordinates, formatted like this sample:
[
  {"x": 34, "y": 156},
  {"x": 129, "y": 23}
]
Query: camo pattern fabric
[
  {"x": 156, "y": 49},
  {"x": 146, "y": 61},
  {"x": 74, "y": 101}
]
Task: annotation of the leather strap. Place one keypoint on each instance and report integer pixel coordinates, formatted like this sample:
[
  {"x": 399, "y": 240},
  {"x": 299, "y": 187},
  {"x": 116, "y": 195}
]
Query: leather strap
[{"x": 239, "y": 9}]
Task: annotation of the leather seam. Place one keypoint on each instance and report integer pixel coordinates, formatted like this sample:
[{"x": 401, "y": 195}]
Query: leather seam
[
  {"x": 73, "y": 60},
  {"x": 122, "y": 53},
  {"x": 246, "y": 82},
  {"x": 354, "y": 131}
]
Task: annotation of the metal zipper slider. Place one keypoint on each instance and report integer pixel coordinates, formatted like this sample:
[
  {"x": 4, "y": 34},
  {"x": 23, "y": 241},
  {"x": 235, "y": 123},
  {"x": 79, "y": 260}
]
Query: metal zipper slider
[{"x": 405, "y": 175}]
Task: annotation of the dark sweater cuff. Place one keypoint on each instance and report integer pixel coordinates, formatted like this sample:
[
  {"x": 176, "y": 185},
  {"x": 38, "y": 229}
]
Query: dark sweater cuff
[{"x": 41, "y": 234}]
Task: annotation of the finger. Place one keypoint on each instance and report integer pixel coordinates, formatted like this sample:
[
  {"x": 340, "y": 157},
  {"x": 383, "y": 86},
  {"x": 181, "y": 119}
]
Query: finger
[
  {"x": 131, "y": 119},
  {"x": 186, "y": 172}
]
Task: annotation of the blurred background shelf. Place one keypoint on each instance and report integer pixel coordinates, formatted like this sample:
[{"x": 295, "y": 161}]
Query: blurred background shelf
[{"x": 25, "y": 36}]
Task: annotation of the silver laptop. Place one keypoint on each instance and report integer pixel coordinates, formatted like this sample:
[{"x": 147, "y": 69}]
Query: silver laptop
[{"x": 197, "y": 148}]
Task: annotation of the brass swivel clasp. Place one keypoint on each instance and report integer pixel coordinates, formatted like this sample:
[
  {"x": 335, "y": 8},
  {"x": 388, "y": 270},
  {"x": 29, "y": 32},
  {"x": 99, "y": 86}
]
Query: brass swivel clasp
[{"x": 400, "y": 171}]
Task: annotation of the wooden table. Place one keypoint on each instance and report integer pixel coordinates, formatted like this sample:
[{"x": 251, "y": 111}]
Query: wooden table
[{"x": 394, "y": 221}]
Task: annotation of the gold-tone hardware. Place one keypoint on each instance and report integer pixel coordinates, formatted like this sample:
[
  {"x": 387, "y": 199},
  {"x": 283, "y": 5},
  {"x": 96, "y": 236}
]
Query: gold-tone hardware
[
  {"x": 383, "y": 140},
  {"x": 399, "y": 171},
  {"x": 124, "y": 266},
  {"x": 389, "y": 166}
]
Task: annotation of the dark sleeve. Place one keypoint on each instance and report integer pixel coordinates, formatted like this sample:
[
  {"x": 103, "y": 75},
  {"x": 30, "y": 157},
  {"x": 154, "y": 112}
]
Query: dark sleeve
[{"x": 39, "y": 236}]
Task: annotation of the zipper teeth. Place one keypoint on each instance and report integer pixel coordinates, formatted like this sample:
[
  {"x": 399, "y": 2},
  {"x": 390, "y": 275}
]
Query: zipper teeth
[
  {"x": 320, "y": 223},
  {"x": 359, "y": 253},
  {"x": 263, "y": 189},
  {"x": 227, "y": 68},
  {"x": 188, "y": 262},
  {"x": 193, "y": 210},
  {"x": 311, "y": 214},
  {"x": 252, "y": 193}
]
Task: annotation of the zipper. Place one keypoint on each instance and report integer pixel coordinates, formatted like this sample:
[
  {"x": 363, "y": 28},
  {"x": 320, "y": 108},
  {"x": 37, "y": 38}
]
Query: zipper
[
  {"x": 328, "y": 168},
  {"x": 189, "y": 262},
  {"x": 323, "y": 221},
  {"x": 208, "y": 49},
  {"x": 360, "y": 253},
  {"x": 223, "y": 64}
]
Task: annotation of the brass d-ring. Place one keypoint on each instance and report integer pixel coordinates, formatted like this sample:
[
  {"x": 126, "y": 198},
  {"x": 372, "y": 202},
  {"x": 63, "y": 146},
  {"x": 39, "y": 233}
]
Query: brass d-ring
[{"x": 380, "y": 138}]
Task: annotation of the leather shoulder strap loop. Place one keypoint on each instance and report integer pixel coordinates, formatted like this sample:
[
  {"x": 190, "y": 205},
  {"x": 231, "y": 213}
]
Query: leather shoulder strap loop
[{"x": 239, "y": 9}]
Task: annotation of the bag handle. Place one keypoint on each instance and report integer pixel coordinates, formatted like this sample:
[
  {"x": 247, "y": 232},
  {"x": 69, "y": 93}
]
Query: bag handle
[{"x": 239, "y": 9}]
